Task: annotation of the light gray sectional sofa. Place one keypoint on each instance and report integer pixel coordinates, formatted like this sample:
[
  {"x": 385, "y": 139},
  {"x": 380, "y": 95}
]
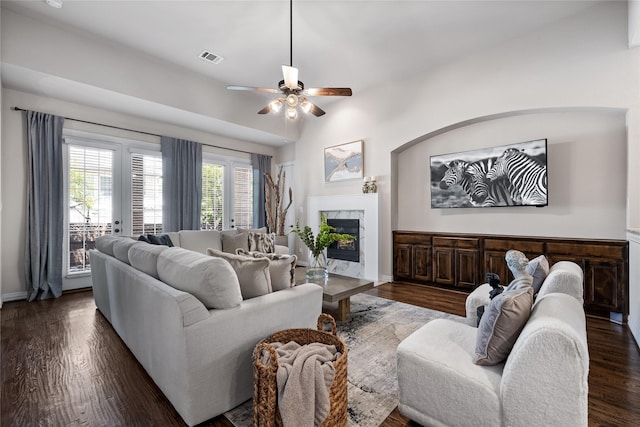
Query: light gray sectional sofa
[{"x": 182, "y": 315}]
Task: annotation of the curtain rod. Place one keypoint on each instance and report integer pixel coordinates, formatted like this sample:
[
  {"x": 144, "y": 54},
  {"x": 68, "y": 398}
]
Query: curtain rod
[{"x": 131, "y": 130}]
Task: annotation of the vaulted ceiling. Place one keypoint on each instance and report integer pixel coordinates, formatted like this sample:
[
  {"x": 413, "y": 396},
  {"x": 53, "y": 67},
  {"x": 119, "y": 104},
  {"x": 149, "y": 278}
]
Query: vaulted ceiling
[{"x": 348, "y": 43}]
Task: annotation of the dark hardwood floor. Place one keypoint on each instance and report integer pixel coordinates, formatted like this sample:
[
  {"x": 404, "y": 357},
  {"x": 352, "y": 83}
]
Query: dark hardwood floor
[{"x": 62, "y": 364}]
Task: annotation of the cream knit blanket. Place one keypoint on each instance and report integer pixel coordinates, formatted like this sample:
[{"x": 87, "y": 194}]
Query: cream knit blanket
[{"x": 304, "y": 378}]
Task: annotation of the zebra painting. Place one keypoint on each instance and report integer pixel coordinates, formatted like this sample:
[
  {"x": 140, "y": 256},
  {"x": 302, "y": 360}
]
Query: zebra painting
[
  {"x": 479, "y": 191},
  {"x": 484, "y": 192},
  {"x": 526, "y": 177}
]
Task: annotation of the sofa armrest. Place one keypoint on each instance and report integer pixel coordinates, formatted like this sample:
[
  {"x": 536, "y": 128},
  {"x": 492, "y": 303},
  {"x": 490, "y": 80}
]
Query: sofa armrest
[
  {"x": 220, "y": 348},
  {"x": 565, "y": 277},
  {"x": 477, "y": 298},
  {"x": 544, "y": 380}
]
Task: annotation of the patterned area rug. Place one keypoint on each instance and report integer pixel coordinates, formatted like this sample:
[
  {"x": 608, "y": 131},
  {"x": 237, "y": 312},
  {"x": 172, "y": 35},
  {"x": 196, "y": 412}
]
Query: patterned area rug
[{"x": 372, "y": 334}]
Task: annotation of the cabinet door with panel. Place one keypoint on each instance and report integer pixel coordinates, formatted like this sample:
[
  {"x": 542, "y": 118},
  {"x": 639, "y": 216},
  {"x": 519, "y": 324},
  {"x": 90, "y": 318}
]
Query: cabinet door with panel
[
  {"x": 467, "y": 275},
  {"x": 601, "y": 285},
  {"x": 402, "y": 259},
  {"x": 444, "y": 266},
  {"x": 422, "y": 267}
]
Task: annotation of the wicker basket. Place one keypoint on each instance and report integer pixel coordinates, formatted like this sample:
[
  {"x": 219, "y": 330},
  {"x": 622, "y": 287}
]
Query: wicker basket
[{"x": 265, "y": 389}]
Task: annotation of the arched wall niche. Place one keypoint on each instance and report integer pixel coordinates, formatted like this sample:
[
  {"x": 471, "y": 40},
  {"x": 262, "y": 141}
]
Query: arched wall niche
[{"x": 587, "y": 196}]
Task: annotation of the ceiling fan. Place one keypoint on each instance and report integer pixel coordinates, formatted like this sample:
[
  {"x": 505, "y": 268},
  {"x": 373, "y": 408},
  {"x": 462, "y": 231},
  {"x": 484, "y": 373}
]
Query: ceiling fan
[{"x": 292, "y": 91}]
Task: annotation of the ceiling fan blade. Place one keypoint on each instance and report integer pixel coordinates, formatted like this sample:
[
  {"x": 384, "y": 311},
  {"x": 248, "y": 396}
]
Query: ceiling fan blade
[
  {"x": 255, "y": 89},
  {"x": 327, "y": 91},
  {"x": 265, "y": 110},
  {"x": 316, "y": 111},
  {"x": 290, "y": 76}
]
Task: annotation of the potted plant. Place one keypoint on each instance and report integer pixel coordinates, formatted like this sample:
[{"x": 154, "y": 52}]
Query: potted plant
[{"x": 317, "y": 263}]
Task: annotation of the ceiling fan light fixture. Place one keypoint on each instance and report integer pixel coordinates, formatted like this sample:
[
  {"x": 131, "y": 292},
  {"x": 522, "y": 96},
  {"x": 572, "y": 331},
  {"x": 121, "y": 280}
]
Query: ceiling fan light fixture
[
  {"x": 291, "y": 113},
  {"x": 276, "y": 105},
  {"x": 292, "y": 100},
  {"x": 305, "y": 105}
]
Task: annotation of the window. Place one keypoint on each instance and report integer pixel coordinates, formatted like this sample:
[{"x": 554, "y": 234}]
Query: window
[
  {"x": 212, "y": 210},
  {"x": 243, "y": 196},
  {"x": 90, "y": 205},
  {"x": 227, "y": 194},
  {"x": 146, "y": 194}
]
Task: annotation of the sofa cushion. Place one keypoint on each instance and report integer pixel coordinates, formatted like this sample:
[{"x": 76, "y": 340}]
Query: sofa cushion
[
  {"x": 144, "y": 257},
  {"x": 231, "y": 242},
  {"x": 434, "y": 369},
  {"x": 211, "y": 280},
  {"x": 262, "y": 242},
  {"x": 282, "y": 268},
  {"x": 200, "y": 240},
  {"x": 539, "y": 269},
  {"x": 105, "y": 243},
  {"x": 501, "y": 324},
  {"x": 253, "y": 273},
  {"x": 121, "y": 248}
]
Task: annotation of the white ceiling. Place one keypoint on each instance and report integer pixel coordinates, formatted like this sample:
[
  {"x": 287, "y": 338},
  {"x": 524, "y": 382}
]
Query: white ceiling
[{"x": 348, "y": 43}]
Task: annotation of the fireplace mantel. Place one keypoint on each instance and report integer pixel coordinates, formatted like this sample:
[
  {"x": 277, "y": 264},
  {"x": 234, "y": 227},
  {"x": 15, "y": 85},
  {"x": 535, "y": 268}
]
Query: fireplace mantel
[{"x": 370, "y": 204}]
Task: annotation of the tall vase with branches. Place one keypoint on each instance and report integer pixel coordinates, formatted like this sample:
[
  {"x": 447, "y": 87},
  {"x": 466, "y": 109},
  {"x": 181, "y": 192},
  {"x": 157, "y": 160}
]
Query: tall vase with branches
[
  {"x": 317, "y": 263},
  {"x": 274, "y": 197}
]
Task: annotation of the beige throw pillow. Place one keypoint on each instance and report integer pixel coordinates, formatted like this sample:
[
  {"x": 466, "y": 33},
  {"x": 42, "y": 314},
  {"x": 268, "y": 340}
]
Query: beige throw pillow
[
  {"x": 234, "y": 241},
  {"x": 253, "y": 273},
  {"x": 501, "y": 325},
  {"x": 282, "y": 268}
]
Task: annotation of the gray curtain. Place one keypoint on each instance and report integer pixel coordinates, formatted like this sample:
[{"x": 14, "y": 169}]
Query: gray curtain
[
  {"x": 261, "y": 165},
  {"x": 181, "y": 184},
  {"x": 45, "y": 210}
]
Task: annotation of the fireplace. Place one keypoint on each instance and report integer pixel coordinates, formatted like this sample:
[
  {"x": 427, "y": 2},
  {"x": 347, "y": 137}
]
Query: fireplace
[{"x": 346, "y": 250}]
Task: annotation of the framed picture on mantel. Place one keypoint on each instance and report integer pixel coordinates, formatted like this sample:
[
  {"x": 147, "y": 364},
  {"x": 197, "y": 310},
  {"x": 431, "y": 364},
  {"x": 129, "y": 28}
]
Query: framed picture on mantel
[{"x": 343, "y": 162}]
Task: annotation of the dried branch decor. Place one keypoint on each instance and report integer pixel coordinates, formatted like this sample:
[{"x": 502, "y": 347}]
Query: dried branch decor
[{"x": 274, "y": 202}]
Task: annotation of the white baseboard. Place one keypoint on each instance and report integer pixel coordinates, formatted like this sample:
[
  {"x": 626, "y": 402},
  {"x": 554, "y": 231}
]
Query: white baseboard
[
  {"x": 634, "y": 327},
  {"x": 386, "y": 279},
  {"x": 14, "y": 296}
]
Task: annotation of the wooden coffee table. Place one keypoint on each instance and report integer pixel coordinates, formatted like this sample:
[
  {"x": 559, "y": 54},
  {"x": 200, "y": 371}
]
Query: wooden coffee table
[{"x": 337, "y": 289}]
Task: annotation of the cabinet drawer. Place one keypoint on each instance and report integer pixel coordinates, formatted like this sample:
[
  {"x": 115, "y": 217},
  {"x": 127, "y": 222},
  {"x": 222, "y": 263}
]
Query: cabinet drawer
[
  {"x": 526, "y": 246},
  {"x": 587, "y": 250},
  {"x": 456, "y": 242}
]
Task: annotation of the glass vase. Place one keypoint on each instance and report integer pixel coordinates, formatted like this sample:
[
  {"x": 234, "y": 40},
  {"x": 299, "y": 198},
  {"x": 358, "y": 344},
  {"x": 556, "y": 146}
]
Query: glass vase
[{"x": 317, "y": 267}]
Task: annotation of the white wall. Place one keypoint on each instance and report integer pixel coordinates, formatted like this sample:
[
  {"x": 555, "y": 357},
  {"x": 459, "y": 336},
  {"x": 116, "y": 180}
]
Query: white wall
[
  {"x": 581, "y": 62},
  {"x": 587, "y": 196},
  {"x": 13, "y": 155}
]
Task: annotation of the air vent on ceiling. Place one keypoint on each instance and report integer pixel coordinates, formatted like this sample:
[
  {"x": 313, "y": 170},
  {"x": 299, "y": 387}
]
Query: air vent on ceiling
[{"x": 210, "y": 57}]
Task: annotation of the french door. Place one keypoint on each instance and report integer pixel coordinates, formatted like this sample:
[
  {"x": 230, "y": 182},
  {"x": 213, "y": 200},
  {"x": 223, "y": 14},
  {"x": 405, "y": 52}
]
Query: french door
[{"x": 112, "y": 186}]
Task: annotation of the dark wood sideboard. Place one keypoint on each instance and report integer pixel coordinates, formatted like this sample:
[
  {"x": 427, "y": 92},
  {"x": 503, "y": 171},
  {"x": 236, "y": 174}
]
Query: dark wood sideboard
[{"x": 461, "y": 261}]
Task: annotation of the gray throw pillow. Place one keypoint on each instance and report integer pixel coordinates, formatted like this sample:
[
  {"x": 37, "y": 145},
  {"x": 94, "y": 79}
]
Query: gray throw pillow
[
  {"x": 539, "y": 269},
  {"x": 282, "y": 268},
  {"x": 253, "y": 273},
  {"x": 501, "y": 325},
  {"x": 234, "y": 241}
]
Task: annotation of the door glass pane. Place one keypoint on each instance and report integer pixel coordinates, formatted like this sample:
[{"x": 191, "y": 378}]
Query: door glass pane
[
  {"x": 243, "y": 196},
  {"x": 146, "y": 194},
  {"x": 212, "y": 197},
  {"x": 90, "y": 204}
]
